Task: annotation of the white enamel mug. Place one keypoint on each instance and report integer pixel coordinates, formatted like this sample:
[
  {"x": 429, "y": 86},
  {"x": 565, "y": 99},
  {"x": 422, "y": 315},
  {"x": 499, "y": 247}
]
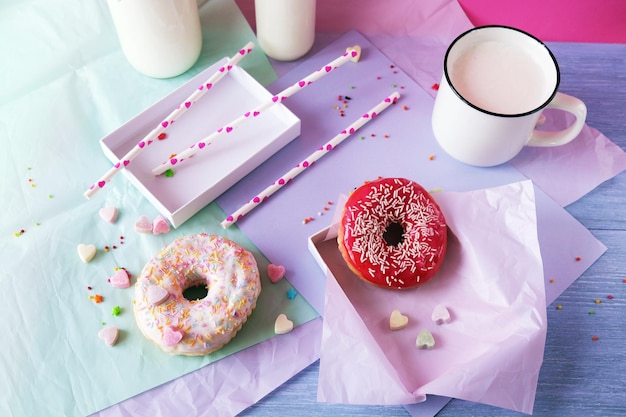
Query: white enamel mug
[
  {"x": 495, "y": 84},
  {"x": 160, "y": 38}
]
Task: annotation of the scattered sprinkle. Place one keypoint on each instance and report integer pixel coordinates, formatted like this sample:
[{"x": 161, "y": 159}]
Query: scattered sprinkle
[
  {"x": 610, "y": 297},
  {"x": 96, "y": 298},
  {"x": 552, "y": 281},
  {"x": 404, "y": 107},
  {"x": 595, "y": 338},
  {"x": 162, "y": 136},
  {"x": 116, "y": 311},
  {"x": 598, "y": 301},
  {"x": 578, "y": 259},
  {"x": 291, "y": 294},
  {"x": 50, "y": 196},
  {"x": 592, "y": 312},
  {"x": 169, "y": 173},
  {"x": 431, "y": 157},
  {"x": 435, "y": 87},
  {"x": 559, "y": 307}
]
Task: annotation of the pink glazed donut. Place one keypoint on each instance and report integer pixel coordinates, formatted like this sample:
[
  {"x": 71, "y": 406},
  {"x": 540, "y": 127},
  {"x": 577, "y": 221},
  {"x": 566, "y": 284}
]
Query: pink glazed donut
[{"x": 196, "y": 327}]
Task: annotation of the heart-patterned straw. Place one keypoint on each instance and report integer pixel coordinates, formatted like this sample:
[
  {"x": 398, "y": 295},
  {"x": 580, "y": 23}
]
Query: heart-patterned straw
[
  {"x": 175, "y": 114},
  {"x": 308, "y": 161},
  {"x": 351, "y": 54}
]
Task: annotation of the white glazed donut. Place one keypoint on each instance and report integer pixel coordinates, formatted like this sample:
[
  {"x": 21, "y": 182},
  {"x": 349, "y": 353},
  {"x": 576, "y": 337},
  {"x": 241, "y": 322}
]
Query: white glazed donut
[{"x": 183, "y": 327}]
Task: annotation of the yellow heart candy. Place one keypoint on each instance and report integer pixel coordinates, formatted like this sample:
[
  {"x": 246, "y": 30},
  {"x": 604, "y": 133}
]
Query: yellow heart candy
[
  {"x": 283, "y": 324},
  {"x": 398, "y": 320}
]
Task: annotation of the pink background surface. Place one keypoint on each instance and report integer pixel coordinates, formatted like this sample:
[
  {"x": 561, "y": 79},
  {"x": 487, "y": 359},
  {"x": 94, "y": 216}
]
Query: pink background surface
[{"x": 600, "y": 21}]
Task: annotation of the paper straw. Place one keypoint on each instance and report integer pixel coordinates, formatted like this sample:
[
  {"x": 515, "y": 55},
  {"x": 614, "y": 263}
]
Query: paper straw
[
  {"x": 306, "y": 163},
  {"x": 351, "y": 54},
  {"x": 175, "y": 114}
]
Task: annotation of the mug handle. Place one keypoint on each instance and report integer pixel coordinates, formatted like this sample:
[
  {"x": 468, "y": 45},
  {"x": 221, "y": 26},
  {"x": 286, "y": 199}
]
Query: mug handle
[{"x": 571, "y": 105}]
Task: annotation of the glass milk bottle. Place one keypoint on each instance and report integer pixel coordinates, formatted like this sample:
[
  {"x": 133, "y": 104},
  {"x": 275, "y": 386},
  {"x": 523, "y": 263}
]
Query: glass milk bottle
[
  {"x": 285, "y": 28},
  {"x": 160, "y": 38}
]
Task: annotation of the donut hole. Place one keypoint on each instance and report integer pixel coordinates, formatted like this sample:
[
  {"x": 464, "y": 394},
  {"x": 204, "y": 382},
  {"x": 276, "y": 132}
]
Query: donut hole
[
  {"x": 196, "y": 291},
  {"x": 394, "y": 234}
]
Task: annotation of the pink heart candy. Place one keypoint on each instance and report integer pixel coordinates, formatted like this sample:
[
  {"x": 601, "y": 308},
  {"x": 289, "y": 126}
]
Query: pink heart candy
[
  {"x": 120, "y": 279},
  {"x": 229, "y": 129},
  {"x": 109, "y": 214},
  {"x": 201, "y": 145},
  {"x": 171, "y": 337},
  {"x": 187, "y": 104},
  {"x": 328, "y": 68},
  {"x": 109, "y": 335},
  {"x": 157, "y": 295},
  {"x": 256, "y": 113},
  {"x": 160, "y": 225},
  {"x": 301, "y": 83},
  {"x": 164, "y": 124},
  {"x": 101, "y": 184},
  {"x": 275, "y": 99},
  {"x": 275, "y": 272},
  {"x": 209, "y": 85},
  {"x": 143, "y": 225}
]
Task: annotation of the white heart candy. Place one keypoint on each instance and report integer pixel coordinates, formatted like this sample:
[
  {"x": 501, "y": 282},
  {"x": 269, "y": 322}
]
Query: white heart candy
[
  {"x": 157, "y": 295},
  {"x": 109, "y": 214},
  {"x": 283, "y": 324},
  {"x": 398, "y": 320},
  {"x": 109, "y": 335},
  {"x": 440, "y": 314},
  {"x": 425, "y": 340},
  {"x": 86, "y": 252}
]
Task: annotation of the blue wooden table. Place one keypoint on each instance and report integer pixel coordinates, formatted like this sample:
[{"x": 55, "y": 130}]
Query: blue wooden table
[{"x": 581, "y": 376}]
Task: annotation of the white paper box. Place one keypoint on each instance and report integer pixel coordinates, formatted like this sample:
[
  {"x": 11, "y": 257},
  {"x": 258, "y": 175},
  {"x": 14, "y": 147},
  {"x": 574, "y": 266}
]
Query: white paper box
[{"x": 202, "y": 178}]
